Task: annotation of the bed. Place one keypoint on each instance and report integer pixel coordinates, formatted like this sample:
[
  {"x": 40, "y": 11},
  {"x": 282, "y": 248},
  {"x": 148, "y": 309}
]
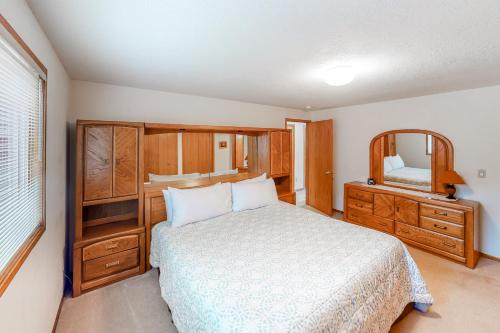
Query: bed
[
  {"x": 410, "y": 176},
  {"x": 282, "y": 268}
]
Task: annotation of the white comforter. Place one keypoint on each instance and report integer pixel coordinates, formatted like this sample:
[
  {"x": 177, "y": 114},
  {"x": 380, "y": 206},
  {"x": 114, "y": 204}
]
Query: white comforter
[
  {"x": 408, "y": 175},
  {"x": 283, "y": 269}
]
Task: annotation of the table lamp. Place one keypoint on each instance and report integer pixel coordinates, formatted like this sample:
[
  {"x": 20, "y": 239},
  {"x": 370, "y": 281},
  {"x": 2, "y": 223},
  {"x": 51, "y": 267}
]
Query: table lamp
[{"x": 450, "y": 178}]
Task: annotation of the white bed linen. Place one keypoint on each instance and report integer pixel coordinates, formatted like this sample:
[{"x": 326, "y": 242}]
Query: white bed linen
[
  {"x": 282, "y": 268},
  {"x": 408, "y": 175}
]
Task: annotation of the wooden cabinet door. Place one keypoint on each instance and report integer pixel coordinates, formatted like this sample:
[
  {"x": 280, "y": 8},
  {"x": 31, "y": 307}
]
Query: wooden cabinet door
[
  {"x": 406, "y": 211},
  {"x": 197, "y": 152},
  {"x": 97, "y": 155},
  {"x": 125, "y": 166},
  {"x": 276, "y": 160},
  {"x": 285, "y": 152},
  {"x": 384, "y": 205}
]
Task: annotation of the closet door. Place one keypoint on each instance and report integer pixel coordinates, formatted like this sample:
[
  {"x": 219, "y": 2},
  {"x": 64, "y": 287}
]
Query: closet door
[
  {"x": 98, "y": 154},
  {"x": 125, "y": 161}
]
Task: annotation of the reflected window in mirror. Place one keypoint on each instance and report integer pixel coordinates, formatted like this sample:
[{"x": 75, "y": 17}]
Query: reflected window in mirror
[{"x": 407, "y": 160}]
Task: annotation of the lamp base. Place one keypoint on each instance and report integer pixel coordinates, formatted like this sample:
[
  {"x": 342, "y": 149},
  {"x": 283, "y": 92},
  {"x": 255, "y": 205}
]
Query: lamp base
[{"x": 451, "y": 190}]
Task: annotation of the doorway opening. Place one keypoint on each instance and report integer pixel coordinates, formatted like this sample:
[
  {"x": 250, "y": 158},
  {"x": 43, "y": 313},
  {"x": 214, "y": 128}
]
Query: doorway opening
[{"x": 298, "y": 127}]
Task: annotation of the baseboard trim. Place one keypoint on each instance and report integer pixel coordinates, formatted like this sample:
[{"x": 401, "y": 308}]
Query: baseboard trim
[
  {"x": 57, "y": 315},
  {"x": 487, "y": 256}
]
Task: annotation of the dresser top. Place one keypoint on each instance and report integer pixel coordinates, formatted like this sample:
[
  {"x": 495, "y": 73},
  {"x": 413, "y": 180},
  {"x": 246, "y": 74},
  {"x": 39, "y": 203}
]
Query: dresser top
[{"x": 424, "y": 196}]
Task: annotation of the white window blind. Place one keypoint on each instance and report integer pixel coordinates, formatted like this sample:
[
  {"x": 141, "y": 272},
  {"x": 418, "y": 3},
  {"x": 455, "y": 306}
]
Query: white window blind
[{"x": 21, "y": 151}]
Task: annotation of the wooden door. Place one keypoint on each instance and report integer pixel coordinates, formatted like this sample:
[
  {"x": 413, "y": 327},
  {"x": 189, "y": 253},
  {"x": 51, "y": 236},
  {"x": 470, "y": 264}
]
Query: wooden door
[
  {"x": 319, "y": 165},
  {"x": 98, "y": 154},
  {"x": 125, "y": 161},
  {"x": 406, "y": 211},
  {"x": 197, "y": 152},
  {"x": 383, "y": 205},
  {"x": 275, "y": 167}
]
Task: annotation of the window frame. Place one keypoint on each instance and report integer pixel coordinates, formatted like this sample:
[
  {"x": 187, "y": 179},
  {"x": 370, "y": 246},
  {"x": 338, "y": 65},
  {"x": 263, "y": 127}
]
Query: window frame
[{"x": 15, "y": 263}]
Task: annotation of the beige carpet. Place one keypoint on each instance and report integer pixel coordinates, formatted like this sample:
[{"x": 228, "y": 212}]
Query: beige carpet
[{"x": 465, "y": 301}]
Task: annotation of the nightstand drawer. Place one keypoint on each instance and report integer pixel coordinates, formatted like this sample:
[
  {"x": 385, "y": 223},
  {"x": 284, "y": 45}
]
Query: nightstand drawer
[
  {"x": 361, "y": 206},
  {"x": 110, "y": 246},
  {"x": 445, "y": 228},
  {"x": 441, "y": 213},
  {"x": 360, "y": 195},
  {"x": 110, "y": 264}
]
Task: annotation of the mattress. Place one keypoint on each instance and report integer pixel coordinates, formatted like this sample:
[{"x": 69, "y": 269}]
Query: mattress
[
  {"x": 408, "y": 175},
  {"x": 282, "y": 268}
]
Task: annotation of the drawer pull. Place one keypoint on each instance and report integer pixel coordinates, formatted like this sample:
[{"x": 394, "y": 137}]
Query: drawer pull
[
  {"x": 404, "y": 231},
  {"x": 359, "y": 205},
  {"x": 440, "y": 214},
  {"x": 449, "y": 245},
  {"x": 440, "y": 226},
  {"x": 112, "y": 264},
  {"x": 397, "y": 209},
  {"x": 112, "y": 246},
  {"x": 383, "y": 224}
]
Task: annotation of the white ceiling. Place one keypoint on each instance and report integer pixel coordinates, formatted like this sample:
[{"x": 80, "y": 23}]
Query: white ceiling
[{"x": 273, "y": 51}]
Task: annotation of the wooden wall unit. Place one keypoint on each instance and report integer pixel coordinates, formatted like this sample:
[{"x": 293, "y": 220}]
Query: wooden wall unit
[
  {"x": 280, "y": 153},
  {"x": 447, "y": 228},
  {"x": 161, "y": 154},
  {"x": 109, "y": 228},
  {"x": 197, "y": 152}
]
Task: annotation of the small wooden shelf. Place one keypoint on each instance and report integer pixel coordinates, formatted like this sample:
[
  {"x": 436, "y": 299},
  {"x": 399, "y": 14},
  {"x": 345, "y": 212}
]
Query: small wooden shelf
[
  {"x": 109, "y": 200},
  {"x": 109, "y": 219},
  {"x": 109, "y": 230}
]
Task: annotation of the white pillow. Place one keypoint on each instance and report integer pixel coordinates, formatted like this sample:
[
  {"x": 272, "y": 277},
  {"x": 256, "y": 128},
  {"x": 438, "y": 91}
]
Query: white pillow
[
  {"x": 251, "y": 195},
  {"x": 253, "y": 180},
  {"x": 198, "y": 204},
  {"x": 397, "y": 162},
  {"x": 387, "y": 164},
  {"x": 168, "y": 205}
]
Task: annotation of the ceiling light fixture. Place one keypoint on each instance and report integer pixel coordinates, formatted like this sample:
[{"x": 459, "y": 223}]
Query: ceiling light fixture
[{"x": 339, "y": 76}]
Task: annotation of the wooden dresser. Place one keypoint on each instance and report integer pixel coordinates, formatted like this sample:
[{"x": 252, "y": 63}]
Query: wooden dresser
[
  {"x": 447, "y": 228},
  {"x": 109, "y": 228}
]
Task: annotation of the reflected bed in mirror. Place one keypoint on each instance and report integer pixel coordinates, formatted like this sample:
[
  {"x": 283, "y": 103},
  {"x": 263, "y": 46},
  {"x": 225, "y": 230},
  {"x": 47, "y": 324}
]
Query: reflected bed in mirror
[
  {"x": 407, "y": 160},
  {"x": 413, "y": 159},
  {"x": 189, "y": 155}
]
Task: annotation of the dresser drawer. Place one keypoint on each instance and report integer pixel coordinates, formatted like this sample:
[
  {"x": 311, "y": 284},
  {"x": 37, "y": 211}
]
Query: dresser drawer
[
  {"x": 429, "y": 238},
  {"x": 380, "y": 223},
  {"x": 357, "y": 216},
  {"x": 445, "y": 228},
  {"x": 113, "y": 263},
  {"x": 360, "y": 195},
  {"x": 441, "y": 213},
  {"x": 361, "y": 206},
  {"x": 110, "y": 246}
]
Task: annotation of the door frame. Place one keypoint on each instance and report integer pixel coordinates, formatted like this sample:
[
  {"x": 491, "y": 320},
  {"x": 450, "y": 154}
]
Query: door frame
[{"x": 306, "y": 160}]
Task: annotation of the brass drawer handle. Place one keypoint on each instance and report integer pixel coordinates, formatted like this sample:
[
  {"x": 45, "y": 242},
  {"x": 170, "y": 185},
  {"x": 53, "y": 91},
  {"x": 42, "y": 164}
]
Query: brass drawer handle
[
  {"x": 449, "y": 245},
  {"x": 404, "y": 231},
  {"x": 359, "y": 205},
  {"x": 112, "y": 246},
  {"x": 112, "y": 264},
  {"x": 440, "y": 226},
  {"x": 440, "y": 214},
  {"x": 383, "y": 224}
]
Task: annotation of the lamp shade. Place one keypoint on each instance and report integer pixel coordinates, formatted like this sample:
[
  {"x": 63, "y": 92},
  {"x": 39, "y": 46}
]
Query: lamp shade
[{"x": 451, "y": 177}]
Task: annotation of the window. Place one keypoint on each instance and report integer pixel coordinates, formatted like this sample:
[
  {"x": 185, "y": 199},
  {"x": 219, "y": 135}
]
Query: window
[{"x": 22, "y": 152}]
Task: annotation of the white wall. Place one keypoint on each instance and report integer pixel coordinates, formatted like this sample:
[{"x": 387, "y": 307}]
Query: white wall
[
  {"x": 470, "y": 119},
  {"x": 107, "y": 102},
  {"x": 31, "y": 301},
  {"x": 412, "y": 149},
  {"x": 223, "y": 156}
]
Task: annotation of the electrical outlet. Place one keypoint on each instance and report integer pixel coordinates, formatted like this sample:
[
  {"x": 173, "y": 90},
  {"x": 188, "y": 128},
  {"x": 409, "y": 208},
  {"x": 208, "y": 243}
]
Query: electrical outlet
[{"x": 481, "y": 173}]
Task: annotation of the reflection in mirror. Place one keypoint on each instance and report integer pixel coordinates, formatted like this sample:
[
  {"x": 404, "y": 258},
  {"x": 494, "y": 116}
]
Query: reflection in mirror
[
  {"x": 407, "y": 160},
  {"x": 177, "y": 156}
]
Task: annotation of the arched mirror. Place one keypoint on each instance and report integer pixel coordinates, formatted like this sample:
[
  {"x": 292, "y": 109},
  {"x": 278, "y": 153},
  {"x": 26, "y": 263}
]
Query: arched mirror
[{"x": 412, "y": 159}]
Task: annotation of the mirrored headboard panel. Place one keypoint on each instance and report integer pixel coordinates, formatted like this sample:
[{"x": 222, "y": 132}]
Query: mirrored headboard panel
[{"x": 413, "y": 159}]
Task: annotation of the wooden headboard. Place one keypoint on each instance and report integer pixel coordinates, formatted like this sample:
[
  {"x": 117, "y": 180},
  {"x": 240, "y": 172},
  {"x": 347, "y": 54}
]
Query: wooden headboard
[{"x": 154, "y": 203}]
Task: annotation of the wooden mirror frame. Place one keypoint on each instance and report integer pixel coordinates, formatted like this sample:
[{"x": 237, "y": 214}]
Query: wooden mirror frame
[{"x": 441, "y": 159}]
